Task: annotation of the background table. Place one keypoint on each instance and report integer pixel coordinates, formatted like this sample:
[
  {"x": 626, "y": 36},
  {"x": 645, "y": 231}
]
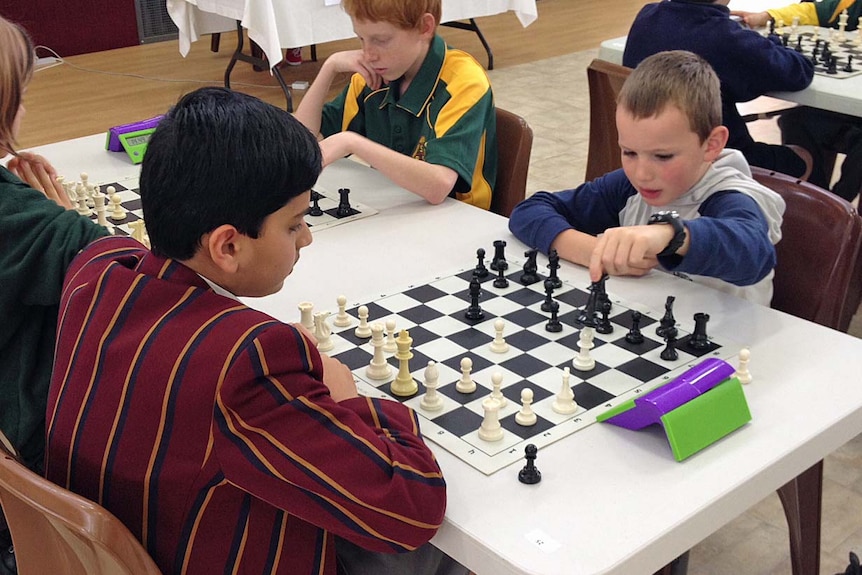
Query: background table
[
  {"x": 844, "y": 95},
  {"x": 277, "y": 24},
  {"x": 611, "y": 500}
]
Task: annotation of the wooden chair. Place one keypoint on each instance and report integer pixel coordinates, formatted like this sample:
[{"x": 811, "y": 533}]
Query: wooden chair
[
  {"x": 605, "y": 80},
  {"x": 514, "y": 143},
  {"x": 56, "y": 531},
  {"x": 817, "y": 278}
]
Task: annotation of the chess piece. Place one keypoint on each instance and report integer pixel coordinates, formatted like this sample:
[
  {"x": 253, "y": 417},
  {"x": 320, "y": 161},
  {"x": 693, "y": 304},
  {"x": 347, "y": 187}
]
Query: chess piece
[
  {"x": 118, "y": 212},
  {"x": 81, "y": 199},
  {"x": 554, "y": 324},
  {"x": 583, "y": 361},
  {"x": 390, "y": 346},
  {"x": 343, "y": 210},
  {"x": 604, "y": 325},
  {"x": 139, "y": 232},
  {"x": 667, "y": 321},
  {"x": 500, "y": 281},
  {"x": 362, "y": 330},
  {"x": 499, "y": 262},
  {"x": 474, "y": 312},
  {"x": 378, "y": 368},
  {"x": 564, "y": 403},
  {"x": 481, "y": 271},
  {"x": 431, "y": 400},
  {"x": 101, "y": 218},
  {"x": 529, "y": 474},
  {"x": 305, "y": 315},
  {"x": 466, "y": 383},
  {"x": 549, "y": 295},
  {"x": 634, "y": 336},
  {"x": 554, "y": 265},
  {"x": 314, "y": 209},
  {"x": 530, "y": 274},
  {"x": 587, "y": 317},
  {"x": 404, "y": 384},
  {"x": 341, "y": 318},
  {"x": 742, "y": 373},
  {"x": 491, "y": 430},
  {"x": 322, "y": 332},
  {"x": 669, "y": 352},
  {"x": 699, "y": 340},
  {"x": 499, "y": 344},
  {"x": 526, "y": 416},
  {"x": 496, "y": 391}
]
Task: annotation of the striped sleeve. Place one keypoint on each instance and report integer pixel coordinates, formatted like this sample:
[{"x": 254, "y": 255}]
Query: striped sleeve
[{"x": 357, "y": 468}]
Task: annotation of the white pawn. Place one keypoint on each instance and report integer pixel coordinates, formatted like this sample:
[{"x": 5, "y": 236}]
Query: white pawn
[
  {"x": 499, "y": 344},
  {"x": 526, "y": 416},
  {"x": 118, "y": 212},
  {"x": 466, "y": 383},
  {"x": 341, "y": 318},
  {"x": 583, "y": 361},
  {"x": 742, "y": 373},
  {"x": 496, "y": 393},
  {"x": 362, "y": 330},
  {"x": 491, "y": 430},
  {"x": 378, "y": 368},
  {"x": 390, "y": 346},
  {"x": 431, "y": 399},
  {"x": 322, "y": 332},
  {"x": 564, "y": 403},
  {"x": 305, "y": 314}
]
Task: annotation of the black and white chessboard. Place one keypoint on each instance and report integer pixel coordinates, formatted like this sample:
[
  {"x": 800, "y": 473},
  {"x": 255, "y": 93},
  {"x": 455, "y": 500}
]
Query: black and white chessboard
[
  {"x": 433, "y": 313},
  {"x": 130, "y": 199},
  {"x": 840, "y": 49}
]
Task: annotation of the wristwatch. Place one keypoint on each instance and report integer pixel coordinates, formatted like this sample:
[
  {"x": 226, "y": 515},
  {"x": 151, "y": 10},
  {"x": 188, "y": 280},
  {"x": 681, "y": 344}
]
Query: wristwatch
[{"x": 672, "y": 218}]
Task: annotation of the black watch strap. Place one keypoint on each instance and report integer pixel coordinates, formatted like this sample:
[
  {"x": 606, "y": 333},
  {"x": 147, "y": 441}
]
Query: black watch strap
[{"x": 671, "y": 218}]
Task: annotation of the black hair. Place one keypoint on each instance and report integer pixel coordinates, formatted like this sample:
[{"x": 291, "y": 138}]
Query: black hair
[{"x": 221, "y": 157}]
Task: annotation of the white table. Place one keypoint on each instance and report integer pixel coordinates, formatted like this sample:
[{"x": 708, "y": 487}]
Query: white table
[
  {"x": 277, "y": 24},
  {"x": 844, "y": 95},
  {"x": 611, "y": 500}
]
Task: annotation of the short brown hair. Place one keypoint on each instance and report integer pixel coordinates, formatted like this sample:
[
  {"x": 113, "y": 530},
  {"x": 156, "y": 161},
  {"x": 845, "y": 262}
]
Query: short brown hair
[
  {"x": 679, "y": 78},
  {"x": 405, "y": 14},
  {"x": 16, "y": 67}
]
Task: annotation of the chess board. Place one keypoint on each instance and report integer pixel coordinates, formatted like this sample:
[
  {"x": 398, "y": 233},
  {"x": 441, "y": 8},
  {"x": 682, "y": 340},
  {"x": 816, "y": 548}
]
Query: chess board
[
  {"x": 840, "y": 49},
  {"x": 130, "y": 199},
  {"x": 433, "y": 313}
]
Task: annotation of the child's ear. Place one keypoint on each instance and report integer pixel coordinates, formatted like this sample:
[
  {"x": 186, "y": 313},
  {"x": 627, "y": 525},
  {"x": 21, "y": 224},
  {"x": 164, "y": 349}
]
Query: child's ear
[
  {"x": 428, "y": 25},
  {"x": 715, "y": 143},
  {"x": 224, "y": 245}
]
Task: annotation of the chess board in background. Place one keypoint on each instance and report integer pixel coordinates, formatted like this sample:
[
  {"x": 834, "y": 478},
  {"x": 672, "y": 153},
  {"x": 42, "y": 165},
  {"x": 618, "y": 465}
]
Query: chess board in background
[
  {"x": 433, "y": 313},
  {"x": 850, "y": 47}
]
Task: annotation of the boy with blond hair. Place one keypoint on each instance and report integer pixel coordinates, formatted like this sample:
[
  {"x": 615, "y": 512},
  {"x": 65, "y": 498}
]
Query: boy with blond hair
[
  {"x": 418, "y": 111},
  {"x": 714, "y": 223}
]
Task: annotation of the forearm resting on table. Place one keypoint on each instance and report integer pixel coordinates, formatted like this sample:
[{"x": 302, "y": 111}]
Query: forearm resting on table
[{"x": 574, "y": 246}]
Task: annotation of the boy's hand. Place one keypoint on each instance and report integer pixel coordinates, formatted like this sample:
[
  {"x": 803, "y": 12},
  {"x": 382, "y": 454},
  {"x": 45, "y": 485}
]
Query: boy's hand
[
  {"x": 628, "y": 250},
  {"x": 752, "y": 19},
  {"x": 353, "y": 61},
  {"x": 338, "y": 378},
  {"x": 39, "y": 174}
]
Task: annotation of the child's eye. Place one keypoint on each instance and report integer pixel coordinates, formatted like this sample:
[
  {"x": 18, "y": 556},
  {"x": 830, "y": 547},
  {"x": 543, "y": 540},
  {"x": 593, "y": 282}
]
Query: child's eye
[
  {"x": 629, "y": 154},
  {"x": 664, "y": 157}
]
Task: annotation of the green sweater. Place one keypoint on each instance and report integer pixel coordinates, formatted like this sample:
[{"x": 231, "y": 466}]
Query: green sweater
[{"x": 38, "y": 240}]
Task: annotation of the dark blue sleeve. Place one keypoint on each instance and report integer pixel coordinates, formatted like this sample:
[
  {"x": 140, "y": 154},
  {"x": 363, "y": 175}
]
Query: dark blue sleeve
[
  {"x": 730, "y": 241},
  {"x": 591, "y": 208}
]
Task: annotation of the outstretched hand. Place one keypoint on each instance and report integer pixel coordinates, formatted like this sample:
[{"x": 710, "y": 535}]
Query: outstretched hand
[
  {"x": 752, "y": 19},
  {"x": 628, "y": 250},
  {"x": 39, "y": 174}
]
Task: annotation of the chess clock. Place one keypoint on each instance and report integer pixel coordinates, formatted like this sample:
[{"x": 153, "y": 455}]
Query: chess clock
[{"x": 132, "y": 138}]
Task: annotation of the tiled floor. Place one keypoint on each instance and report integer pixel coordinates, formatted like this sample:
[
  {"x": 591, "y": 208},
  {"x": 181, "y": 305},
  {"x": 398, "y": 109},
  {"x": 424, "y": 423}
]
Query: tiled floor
[{"x": 756, "y": 542}]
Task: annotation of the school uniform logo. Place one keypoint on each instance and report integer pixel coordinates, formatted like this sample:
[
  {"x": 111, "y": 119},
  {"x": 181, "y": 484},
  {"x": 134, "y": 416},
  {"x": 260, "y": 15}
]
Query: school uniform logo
[{"x": 419, "y": 152}]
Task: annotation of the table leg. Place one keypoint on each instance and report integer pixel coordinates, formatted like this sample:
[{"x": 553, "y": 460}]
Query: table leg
[
  {"x": 473, "y": 27},
  {"x": 259, "y": 61},
  {"x": 802, "y": 499}
]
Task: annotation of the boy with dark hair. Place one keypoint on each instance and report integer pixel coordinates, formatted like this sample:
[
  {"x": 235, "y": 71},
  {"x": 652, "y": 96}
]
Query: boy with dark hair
[
  {"x": 420, "y": 112},
  {"x": 217, "y": 434},
  {"x": 715, "y": 223},
  {"x": 748, "y": 65}
]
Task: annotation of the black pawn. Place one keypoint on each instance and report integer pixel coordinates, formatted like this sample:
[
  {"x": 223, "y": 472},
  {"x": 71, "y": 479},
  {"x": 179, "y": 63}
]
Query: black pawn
[
  {"x": 481, "y": 271},
  {"x": 798, "y": 43},
  {"x": 315, "y": 210},
  {"x": 833, "y": 65},
  {"x": 474, "y": 312},
  {"x": 554, "y": 325},
  {"x": 499, "y": 260},
  {"x": 634, "y": 336},
  {"x": 344, "y": 208},
  {"x": 604, "y": 324},
  {"x": 667, "y": 321},
  {"x": 699, "y": 340},
  {"x": 554, "y": 265},
  {"x": 669, "y": 353},
  {"x": 529, "y": 474},
  {"x": 549, "y": 295},
  {"x": 530, "y": 275},
  {"x": 849, "y": 66},
  {"x": 501, "y": 281}
]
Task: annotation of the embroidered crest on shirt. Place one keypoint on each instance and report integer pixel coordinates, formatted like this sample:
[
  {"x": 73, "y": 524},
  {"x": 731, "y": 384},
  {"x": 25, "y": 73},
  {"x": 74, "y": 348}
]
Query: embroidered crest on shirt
[{"x": 419, "y": 152}]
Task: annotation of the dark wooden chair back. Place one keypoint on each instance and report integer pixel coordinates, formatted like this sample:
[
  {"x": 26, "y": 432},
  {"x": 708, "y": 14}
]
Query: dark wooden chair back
[
  {"x": 514, "y": 144},
  {"x": 605, "y": 81}
]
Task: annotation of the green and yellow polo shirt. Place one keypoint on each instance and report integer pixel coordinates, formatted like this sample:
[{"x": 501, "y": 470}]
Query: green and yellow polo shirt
[{"x": 445, "y": 117}]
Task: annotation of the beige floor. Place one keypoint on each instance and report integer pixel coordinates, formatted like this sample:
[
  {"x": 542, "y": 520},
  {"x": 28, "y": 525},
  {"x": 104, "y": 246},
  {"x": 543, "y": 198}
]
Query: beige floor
[{"x": 552, "y": 96}]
